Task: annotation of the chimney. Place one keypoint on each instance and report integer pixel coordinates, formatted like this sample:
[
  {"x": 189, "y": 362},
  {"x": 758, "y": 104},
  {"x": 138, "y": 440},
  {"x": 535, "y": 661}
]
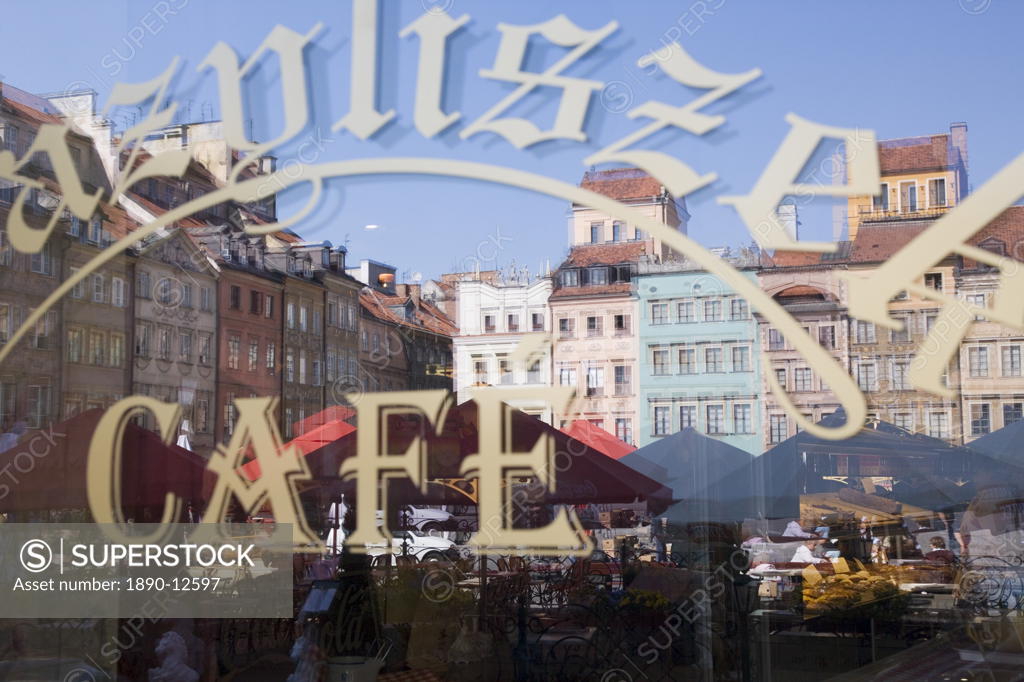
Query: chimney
[
  {"x": 415, "y": 291},
  {"x": 787, "y": 217},
  {"x": 958, "y": 142}
]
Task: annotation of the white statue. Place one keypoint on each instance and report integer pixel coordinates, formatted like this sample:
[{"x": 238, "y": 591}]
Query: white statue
[{"x": 173, "y": 653}]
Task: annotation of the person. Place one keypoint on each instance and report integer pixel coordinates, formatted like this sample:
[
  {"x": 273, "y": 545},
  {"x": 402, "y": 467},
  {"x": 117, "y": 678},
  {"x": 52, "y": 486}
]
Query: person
[
  {"x": 804, "y": 554},
  {"x": 939, "y": 554}
]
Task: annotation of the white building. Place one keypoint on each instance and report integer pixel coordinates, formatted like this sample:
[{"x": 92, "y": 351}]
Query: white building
[{"x": 493, "y": 319}]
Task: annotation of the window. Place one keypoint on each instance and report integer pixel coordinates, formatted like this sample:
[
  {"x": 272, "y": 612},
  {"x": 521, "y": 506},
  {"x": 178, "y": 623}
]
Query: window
[
  {"x": 234, "y": 349},
  {"x": 976, "y": 300},
  {"x": 901, "y": 335},
  {"x": 713, "y": 360},
  {"x": 775, "y": 340},
  {"x": 595, "y": 381},
  {"x": 303, "y": 318},
  {"x": 489, "y": 325},
  {"x": 255, "y": 304},
  {"x": 595, "y": 232},
  {"x": 778, "y": 429},
  {"x": 164, "y": 344},
  {"x": 598, "y": 275},
  {"x": 802, "y": 379},
  {"x": 533, "y": 373},
  {"x": 827, "y": 336},
  {"x": 685, "y": 312},
  {"x": 662, "y": 420},
  {"x": 687, "y": 361},
  {"x": 1011, "y": 361},
  {"x": 142, "y": 340},
  {"x": 623, "y": 380},
  {"x": 977, "y": 361},
  {"x": 908, "y": 197},
  {"x": 513, "y": 322},
  {"x": 715, "y": 419},
  {"x": 937, "y": 192},
  {"x": 738, "y": 309},
  {"x": 618, "y": 231},
  {"x": 567, "y": 376},
  {"x": 593, "y": 326},
  {"x": 933, "y": 280},
  {"x": 317, "y": 371},
  {"x": 97, "y": 348},
  {"x": 881, "y": 201},
  {"x": 163, "y": 291},
  {"x": 864, "y": 332},
  {"x": 1012, "y": 412},
  {"x": 638, "y": 234},
  {"x": 41, "y": 334},
  {"x": 780, "y": 376},
  {"x": 38, "y": 405},
  {"x": 929, "y": 321},
  {"x": 981, "y": 419},
  {"x": 254, "y": 353},
  {"x": 290, "y": 315},
  {"x": 6, "y": 250},
  {"x": 236, "y": 298},
  {"x": 566, "y": 327},
  {"x": 116, "y": 350},
  {"x": 317, "y": 322},
  {"x": 661, "y": 362},
  {"x": 6, "y": 322},
  {"x": 624, "y": 429},
  {"x": 712, "y": 311},
  {"x": 185, "y": 346},
  {"x": 741, "y": 419},
  {"x": 938, "y": 424},
  {"x": 659, "y": 313},
  {"x": 143, "y": 285},
  {"x": 364, "y": 340},
  {"x": 10, "y": 138},
  {"x": 41, "y": 263},
  {"x": 537, "y": 322},
  {"x": 867, "y": 376},
  {"x": 900, "y": 372},
  {"x": 741, "y": 359},
  {"x": 570, "y": 278},
  {"x": 117, "y": 292},
  {"x": 186, "y": 295},
  {"x": 268, "y": 308},
  {"x": 621, "y": 324},
  {"x": 904, "y": 420},
  {"x": 205, "y": 301},
  {"x": 688, "y": 416},
  {"x": 504, "y": 371},
  {"x": 205, "y": 347},
  {"x": 76, "y": 339}
]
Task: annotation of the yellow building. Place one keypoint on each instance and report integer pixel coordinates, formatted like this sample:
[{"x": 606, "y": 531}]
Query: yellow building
[{"x": 922, "y": 177}]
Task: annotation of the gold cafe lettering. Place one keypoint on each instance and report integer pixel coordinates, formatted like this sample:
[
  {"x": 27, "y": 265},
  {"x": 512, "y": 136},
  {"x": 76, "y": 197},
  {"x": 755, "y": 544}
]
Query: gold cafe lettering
[
  {"x": 282, "y": 468},
  {"x": 758, "y": 210}
]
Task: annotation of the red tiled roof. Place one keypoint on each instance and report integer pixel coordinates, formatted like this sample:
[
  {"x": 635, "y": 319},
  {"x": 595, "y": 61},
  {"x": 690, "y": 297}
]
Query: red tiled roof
[
  {"x": 1006, "y": 231},
  {"x": 622, "y": 183},
  {"x": 876, "y": 243},
  {"x": 593, "y": 290},
  {"x": 428, "y": 318},
  {"x": 604, "y": 254},
  {"x": 914, "y": 153}
]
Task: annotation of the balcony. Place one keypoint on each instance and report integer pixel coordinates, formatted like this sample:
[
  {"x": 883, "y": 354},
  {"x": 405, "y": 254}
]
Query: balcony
[{"x": 870, "y": 214}]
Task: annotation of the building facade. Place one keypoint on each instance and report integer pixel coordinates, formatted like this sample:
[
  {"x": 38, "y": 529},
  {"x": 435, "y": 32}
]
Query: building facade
[
  {"x": 595, "y": 348},
  {"x": 175, "y": 332},
  {"x": 699, "y": 362},
  {"x": 494, "y": 318}
]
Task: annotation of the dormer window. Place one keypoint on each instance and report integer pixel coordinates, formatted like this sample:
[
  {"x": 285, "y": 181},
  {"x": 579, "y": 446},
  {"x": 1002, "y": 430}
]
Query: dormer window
[
  {"x": 293, "y": 263},
  {"x": 325, "y": 258},
  {"x": 253, "y": 255},
  {"x": 570, "y": 278},
  {"x": 307, "y": 267},
  {"x": 599, "y": 275}
]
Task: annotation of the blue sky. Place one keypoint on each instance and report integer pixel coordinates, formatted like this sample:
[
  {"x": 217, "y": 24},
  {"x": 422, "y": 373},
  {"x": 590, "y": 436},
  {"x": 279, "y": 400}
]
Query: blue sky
[{"x": 902, "y": 69}]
